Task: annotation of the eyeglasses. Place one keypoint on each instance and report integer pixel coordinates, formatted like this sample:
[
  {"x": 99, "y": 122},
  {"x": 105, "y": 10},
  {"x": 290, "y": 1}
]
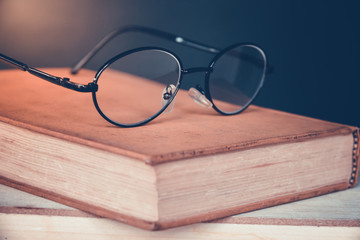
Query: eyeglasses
[{"x": 136, "y": 86}]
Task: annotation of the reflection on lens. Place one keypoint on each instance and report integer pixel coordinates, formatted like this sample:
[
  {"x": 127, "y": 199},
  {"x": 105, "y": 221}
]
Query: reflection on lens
[
  {"x": 131, "y": 88},
  {"x": 236, "y": 78}
]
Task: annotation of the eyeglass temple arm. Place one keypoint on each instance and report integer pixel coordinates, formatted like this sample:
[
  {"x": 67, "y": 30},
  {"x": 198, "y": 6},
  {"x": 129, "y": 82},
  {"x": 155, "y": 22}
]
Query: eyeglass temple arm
[
  {"x": 150, "y": 31},
  {"x": 64, "y": 82},
  {"x": 146, "y": 30}
]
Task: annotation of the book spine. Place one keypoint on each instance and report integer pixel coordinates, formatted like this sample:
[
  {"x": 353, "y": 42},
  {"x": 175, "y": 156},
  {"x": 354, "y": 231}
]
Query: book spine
[{"x": 355, "y": 159}]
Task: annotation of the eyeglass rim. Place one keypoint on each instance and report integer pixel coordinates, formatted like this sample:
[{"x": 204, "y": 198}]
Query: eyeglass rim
[
  {"x": 124, "y": 54},
  {"x": 212, "y": 63},
  {"x": 207, "y": 80}
]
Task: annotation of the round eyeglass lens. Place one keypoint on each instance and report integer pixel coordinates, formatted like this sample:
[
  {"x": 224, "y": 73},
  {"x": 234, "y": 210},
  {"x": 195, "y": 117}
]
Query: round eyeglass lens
[
  {"x": 136, "y": 86},
  {"x": 237, "y": 76}
]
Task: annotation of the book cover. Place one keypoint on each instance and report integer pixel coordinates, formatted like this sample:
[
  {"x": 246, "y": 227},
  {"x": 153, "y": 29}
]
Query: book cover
[{"x": 188, "y": 166}]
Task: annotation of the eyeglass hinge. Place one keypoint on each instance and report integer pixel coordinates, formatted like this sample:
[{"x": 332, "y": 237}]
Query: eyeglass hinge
[{"x": 90, "y": 87}]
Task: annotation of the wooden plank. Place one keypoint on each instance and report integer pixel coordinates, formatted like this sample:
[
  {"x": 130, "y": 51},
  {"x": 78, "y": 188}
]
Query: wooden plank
[{"x": 17, "y": 226}]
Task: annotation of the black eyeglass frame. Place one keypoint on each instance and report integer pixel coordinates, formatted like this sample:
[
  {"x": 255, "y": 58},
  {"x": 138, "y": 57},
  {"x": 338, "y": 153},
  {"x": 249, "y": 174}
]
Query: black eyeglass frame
[
  {"x": 213, "y": 62},
  {"x": 108, "y": 63},
  {"x": 93, "y": 86}
]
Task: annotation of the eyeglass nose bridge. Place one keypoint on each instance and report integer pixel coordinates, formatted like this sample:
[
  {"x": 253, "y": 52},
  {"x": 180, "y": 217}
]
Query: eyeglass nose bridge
[{"x": 197, "y": 94}]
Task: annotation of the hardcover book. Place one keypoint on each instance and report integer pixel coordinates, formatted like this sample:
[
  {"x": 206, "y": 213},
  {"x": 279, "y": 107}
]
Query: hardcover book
[{"x": 188, "y": 166}]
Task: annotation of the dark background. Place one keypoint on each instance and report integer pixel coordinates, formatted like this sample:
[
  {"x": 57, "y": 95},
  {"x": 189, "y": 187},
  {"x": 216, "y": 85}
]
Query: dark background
[{"x": 313, "y": 45}]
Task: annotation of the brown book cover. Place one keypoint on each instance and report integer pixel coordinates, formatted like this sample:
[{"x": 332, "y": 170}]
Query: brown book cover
[{"x": 188, "y": 166}]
